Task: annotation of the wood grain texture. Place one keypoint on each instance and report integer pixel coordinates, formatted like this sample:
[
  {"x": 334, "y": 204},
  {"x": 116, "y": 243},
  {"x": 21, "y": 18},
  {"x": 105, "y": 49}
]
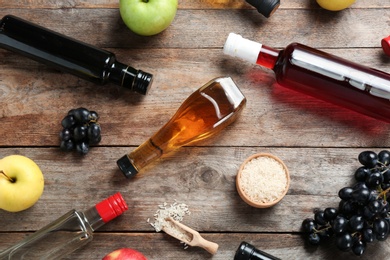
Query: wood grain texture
[
  {"x": 317, "y": 141},
  {"x": 202, "y": 28},
  {"x": 272, "y": 117},
  {"x": 183, "y": 4}
]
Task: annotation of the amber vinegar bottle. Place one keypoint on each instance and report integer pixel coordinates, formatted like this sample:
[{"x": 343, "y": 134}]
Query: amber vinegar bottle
[
  {"x": 320, "y": 74},
  {"x": 204, "y": 113}
]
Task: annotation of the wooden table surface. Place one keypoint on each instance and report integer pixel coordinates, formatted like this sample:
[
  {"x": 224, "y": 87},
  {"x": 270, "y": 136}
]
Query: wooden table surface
[{"x": 318, "y": 142}]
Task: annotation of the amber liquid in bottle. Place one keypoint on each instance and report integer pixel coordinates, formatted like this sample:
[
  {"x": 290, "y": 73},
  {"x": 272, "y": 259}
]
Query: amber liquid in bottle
[{"x": 204, "y": 113}]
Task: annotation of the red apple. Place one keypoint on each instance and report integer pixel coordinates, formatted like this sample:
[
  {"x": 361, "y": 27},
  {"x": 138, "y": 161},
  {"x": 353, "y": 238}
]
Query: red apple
[{"x": 125, "y": 254}]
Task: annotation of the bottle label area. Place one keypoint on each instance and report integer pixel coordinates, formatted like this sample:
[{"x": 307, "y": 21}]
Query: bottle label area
[{"x": 358, "y": 78}]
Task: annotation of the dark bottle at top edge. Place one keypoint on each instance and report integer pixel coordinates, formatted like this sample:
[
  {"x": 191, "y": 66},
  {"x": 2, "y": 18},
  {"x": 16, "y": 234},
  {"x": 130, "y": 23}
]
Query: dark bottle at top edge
[
  {"x": 66, "y": 54},
  {"x": 247, "y": 251},
  {"x": 265, "y": 7}
]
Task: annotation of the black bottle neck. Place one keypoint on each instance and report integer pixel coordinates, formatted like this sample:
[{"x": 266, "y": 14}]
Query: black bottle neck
[{"x": 128, "y": 77}]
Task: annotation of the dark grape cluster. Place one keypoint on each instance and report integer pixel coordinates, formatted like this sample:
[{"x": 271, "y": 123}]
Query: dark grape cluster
[
  {"x": 362, "y": 215},
  {"x": 80, "y": 130}
]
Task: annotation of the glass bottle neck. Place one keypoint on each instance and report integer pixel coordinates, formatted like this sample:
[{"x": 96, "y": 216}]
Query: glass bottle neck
[
  {"x": 122, "y": 75},
  {"x": 92, "y": 217},
  {"x": 267, "y": 57},
  {"x": 251, "y": 51},
  {"x": 128, "y": 77},
  {"x": 130, "y": 164}
]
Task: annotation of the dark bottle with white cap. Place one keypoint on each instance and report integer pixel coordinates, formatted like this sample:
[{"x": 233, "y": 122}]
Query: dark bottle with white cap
[
  {"x": 69, "y": 55},
  {"x": 247, "y": 251},
  {"x": 265, "y": 7}
]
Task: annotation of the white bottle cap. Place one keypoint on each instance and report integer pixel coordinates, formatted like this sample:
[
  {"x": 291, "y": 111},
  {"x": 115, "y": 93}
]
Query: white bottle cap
[{"x": 245, "y": 49}]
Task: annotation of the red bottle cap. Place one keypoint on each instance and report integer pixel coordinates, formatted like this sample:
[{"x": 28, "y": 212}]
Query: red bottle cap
[
  {"x": 386, "y": 45},
  {"x": 111, "y": 207}
]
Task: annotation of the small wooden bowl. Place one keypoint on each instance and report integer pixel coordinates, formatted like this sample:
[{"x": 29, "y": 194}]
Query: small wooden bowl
[{"x": 244, "y": 196}]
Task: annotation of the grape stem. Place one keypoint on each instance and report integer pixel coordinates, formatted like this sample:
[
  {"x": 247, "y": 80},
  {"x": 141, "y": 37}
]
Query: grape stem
[
  {"x": 383, "y": 193},
  {"x": 5, "y": 175},
  {"x": 357, "y": 234},
  {"x": 328, "y": 226},
  {"x": 384, "y": 168},
  {"x": 381, "y": 166}
]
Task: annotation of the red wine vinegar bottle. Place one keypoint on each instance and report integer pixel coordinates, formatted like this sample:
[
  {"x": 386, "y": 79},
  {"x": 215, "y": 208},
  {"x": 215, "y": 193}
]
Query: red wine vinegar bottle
[
  {"x": 69, "y": 55},
  {"x": 320, "y": 74}
]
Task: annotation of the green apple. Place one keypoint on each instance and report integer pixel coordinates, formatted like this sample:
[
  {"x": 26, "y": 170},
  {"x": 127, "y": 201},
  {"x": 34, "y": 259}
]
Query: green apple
[
  {"x": 335, "y": 5},
  {"x": 21, "y": 183},
  {"x": 148, "y": 17}
]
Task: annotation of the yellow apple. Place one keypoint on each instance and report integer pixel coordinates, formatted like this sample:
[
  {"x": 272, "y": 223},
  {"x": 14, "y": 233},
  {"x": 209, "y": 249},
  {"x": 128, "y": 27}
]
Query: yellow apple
[
  {"x": 21, "y": 183},
  {"x": 335, "y": 5}
]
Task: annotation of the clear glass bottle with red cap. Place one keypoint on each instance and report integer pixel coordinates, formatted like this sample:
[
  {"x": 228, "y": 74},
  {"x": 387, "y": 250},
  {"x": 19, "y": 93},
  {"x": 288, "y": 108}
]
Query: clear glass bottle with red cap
[
  {"x": 320, "y": 74},
  {"x": 68, "y": 233}
]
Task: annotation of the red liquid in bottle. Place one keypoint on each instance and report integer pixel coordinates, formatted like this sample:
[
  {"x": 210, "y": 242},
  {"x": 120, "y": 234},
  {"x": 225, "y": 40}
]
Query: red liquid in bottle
[
  {"x": 321, "y": 75},
  {"x": 340, "y": 88}
]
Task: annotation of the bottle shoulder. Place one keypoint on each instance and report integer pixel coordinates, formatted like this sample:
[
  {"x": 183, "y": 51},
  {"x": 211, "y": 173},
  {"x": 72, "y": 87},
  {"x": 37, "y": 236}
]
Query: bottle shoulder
[
  {"x": 295, "y": 46},
  {"x": 287, "y": 54}
]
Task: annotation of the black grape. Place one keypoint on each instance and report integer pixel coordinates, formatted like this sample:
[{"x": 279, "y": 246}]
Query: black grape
[{"x": 80, "y": 130}]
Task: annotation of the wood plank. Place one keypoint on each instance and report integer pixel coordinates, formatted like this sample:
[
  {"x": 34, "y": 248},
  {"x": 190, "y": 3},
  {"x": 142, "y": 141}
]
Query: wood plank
[
  {"x": 31, "y": 91},
  {"x": 318, "y": 142},
  {"x": 192, "y": 176},
  {"x": 161, "y": 246},
  {"x": 190, "y": 28},
  {"x": 183, "y": 4}
]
